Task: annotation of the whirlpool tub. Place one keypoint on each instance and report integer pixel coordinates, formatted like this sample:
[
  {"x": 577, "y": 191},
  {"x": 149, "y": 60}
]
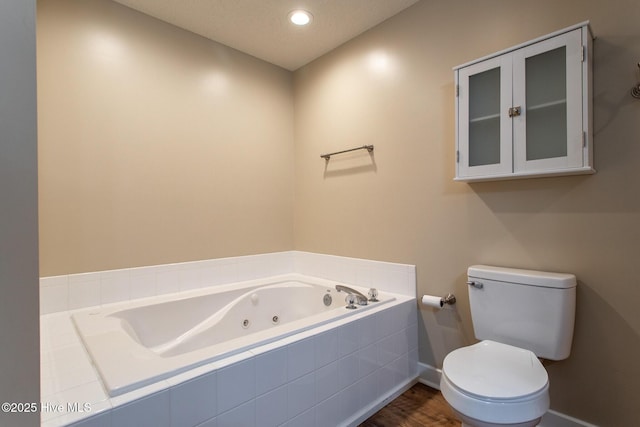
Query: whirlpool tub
[{"x": 141, "y": 343}]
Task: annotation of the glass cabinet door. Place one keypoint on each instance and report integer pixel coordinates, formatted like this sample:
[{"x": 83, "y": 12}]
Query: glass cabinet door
[
  {"x": 484, "y": 131},
  {"x": 547, "y": 88}
]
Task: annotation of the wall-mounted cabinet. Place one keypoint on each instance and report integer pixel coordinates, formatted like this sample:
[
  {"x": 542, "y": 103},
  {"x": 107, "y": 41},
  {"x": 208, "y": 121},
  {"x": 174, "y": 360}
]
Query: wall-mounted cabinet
[{"x": 526, "y": 111}]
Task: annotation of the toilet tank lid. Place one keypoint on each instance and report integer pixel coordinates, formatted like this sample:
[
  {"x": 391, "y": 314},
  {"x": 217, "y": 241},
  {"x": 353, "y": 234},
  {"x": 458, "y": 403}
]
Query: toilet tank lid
[{"x": 523, "y": 277}]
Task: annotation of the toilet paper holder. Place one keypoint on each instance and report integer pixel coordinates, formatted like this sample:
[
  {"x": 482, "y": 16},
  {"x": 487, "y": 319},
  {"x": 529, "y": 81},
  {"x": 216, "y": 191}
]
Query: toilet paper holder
[
  {"x": 449, "y": 299},
  {"x": 438, "y": 302}
]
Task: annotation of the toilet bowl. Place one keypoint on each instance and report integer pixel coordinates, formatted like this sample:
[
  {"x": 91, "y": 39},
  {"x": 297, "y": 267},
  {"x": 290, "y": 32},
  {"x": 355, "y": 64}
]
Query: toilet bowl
[{"x": 494, "y": 384}]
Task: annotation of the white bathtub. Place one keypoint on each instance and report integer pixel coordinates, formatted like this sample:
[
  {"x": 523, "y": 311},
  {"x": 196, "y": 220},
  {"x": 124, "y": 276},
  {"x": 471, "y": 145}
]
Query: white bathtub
[{"x": 136, "y": 344}]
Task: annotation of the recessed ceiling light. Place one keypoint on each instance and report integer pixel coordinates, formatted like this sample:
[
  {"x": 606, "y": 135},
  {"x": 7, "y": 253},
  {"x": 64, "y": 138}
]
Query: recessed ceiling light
[{"x": 300, "y": 17}]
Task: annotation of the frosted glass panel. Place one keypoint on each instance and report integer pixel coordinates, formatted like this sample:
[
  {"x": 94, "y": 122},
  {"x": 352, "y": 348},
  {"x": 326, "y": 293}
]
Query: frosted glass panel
[
  {"x": 546, "y": 110},
  {"x": 484, "y": 118}
]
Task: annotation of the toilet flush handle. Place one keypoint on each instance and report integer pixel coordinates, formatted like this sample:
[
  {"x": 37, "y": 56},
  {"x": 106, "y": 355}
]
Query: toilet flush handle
[{"x": 476, "y": 285}]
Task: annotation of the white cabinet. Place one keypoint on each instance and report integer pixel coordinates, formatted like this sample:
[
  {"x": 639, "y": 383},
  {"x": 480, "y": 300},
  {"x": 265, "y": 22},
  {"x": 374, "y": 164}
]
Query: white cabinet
[{"x": 525, "y": 112}]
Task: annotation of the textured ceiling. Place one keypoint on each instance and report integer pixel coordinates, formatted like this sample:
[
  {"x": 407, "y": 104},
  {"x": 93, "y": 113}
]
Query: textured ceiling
[{"x": 261, "y": 28}]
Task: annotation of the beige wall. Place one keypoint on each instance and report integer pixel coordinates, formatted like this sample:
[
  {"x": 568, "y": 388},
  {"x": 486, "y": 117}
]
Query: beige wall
[
  {"x": 155, "y": 145},
  {"x": 19, "y": 355},
  {"x": 393, "y": 87}
]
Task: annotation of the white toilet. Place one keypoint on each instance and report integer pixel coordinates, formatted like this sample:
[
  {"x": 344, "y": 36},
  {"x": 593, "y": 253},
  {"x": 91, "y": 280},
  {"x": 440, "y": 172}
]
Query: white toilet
[{"x": 519, "y": 315}]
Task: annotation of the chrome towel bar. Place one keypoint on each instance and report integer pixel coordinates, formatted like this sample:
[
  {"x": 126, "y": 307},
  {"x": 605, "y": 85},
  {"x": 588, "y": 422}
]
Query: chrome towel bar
[{"x": 369, "y": 148}]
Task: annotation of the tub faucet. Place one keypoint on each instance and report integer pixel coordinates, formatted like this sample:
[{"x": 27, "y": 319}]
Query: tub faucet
[{"x": 362, "y": 300}]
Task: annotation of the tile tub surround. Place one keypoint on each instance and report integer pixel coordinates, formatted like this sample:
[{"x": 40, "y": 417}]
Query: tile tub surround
[
  {"x": 346, "y": 381},
  {"x": 337, "y": 374},
  {"x": 74, "y": 291}
]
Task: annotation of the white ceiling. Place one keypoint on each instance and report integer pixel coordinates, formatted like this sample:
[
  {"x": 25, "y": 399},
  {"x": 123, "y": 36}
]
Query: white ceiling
[{"x": 261, "y": 28}]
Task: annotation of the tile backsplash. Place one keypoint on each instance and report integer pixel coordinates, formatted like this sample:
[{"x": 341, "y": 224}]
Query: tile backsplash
[{"x": 74, "y": 291}]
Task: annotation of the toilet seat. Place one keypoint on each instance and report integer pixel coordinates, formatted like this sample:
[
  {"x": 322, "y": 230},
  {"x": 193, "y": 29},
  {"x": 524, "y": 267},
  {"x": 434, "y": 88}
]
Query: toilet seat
[
  {"x": 495, "y": 382},
  {"x": 492, "y": 370}
]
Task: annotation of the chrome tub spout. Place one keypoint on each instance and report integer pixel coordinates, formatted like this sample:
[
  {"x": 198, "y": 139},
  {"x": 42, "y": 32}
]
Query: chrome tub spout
[{"x": 361, "y": 299}]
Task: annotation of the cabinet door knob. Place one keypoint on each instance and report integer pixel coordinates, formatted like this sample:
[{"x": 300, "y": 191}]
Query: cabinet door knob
[{"x": 514, "y": 111}]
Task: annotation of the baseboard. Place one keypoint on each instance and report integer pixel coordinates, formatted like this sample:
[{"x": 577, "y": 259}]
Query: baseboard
[
  {"x": 556, "y": 419},
  {"x": 430, "y": 376},
  {"x": 375, "y": 406}
]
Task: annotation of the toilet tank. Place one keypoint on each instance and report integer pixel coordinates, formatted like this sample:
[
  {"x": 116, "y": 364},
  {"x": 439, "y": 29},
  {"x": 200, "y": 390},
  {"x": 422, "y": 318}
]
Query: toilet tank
[{"x": 524, "y": 308}]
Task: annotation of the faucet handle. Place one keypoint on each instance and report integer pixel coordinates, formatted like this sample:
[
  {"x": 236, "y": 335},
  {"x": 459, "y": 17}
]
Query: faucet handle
[
  {"x": 373, "y": 295},
  {"x": 350, "y": 299}
]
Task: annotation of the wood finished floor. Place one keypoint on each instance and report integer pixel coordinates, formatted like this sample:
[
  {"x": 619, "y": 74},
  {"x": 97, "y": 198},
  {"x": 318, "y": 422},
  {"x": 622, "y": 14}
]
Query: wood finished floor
[{"x": 417, "y": 407}]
